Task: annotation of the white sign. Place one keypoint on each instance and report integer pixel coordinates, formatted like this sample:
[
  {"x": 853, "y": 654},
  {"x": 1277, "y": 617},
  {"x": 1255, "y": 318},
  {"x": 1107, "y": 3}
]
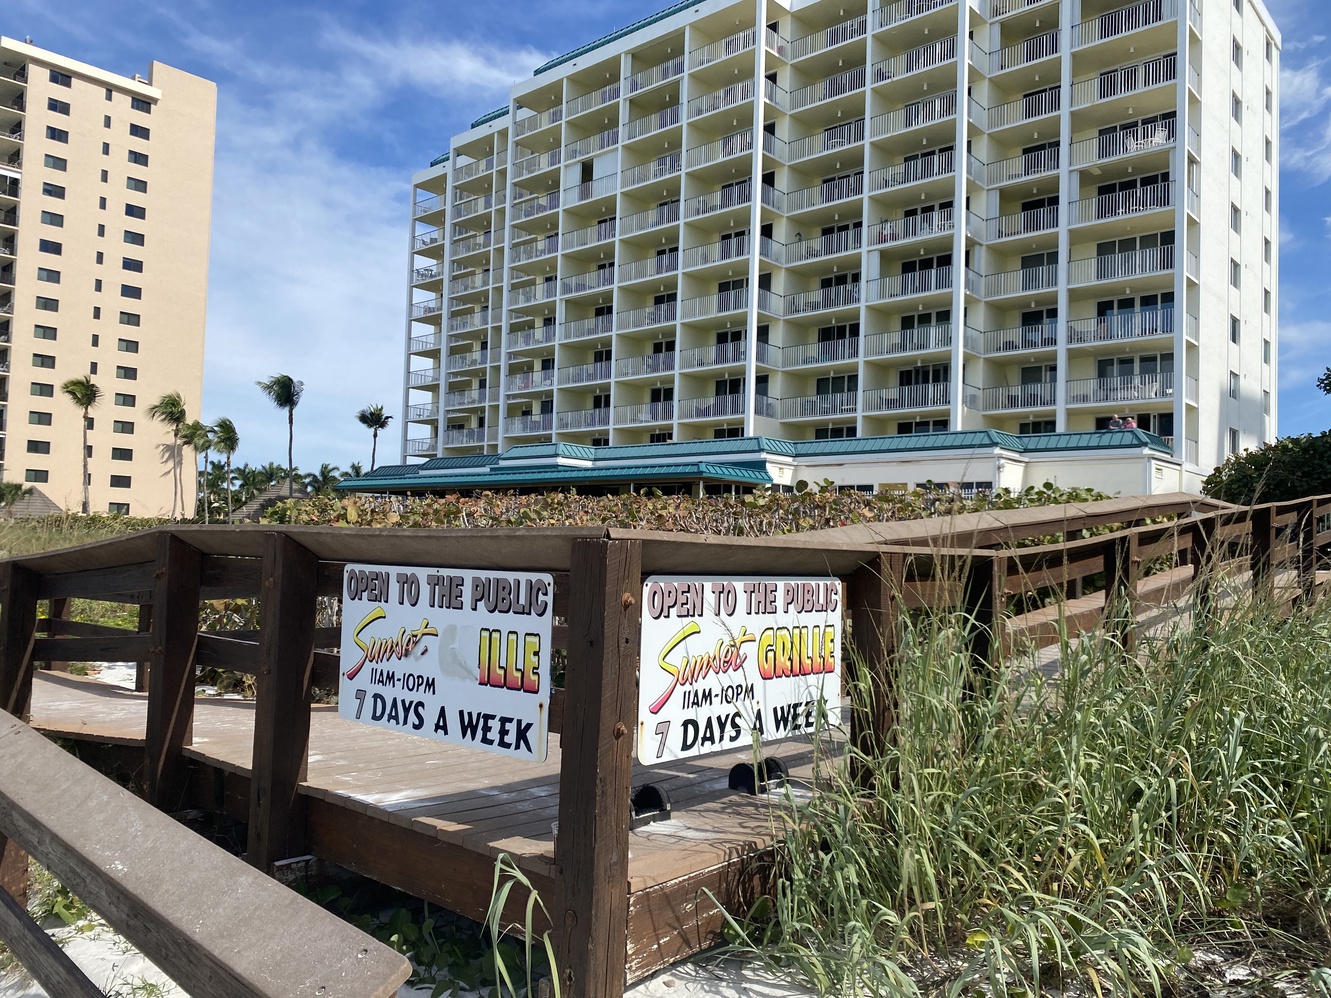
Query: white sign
[
  {"x": 455, "y": 654},
  {"x": 725, "y": 660}
]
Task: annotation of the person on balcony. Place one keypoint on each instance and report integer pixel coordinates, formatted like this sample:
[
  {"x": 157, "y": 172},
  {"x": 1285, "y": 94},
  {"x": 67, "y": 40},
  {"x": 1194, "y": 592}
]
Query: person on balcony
[
  {"x": 1115, "y": 423},
  {"x": 1129, "y": 423}
]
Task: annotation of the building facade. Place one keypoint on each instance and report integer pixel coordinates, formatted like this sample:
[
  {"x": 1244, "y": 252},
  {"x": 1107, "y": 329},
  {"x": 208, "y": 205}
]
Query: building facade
[
  {"x": 105, "y": 210},
  {"x": 828, "y": 220}
]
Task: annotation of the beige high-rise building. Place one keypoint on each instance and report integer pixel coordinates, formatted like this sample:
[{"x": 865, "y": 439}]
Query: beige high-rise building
[{"x": 105, "y": 208}]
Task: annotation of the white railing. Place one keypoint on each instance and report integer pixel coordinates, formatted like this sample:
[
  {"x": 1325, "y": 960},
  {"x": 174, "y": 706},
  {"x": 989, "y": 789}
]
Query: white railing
[
  {"x": 729, "y": 197},
  {"x": 837, "y": 34},
  {"x": 427, "y": 205},
  {"x": 776, "y": 96},
  {"x": 535, "y": 164},
  {"x": 577, "y": 329},
  {"x": 592, "y": 144},
  {"x": 931, "y": 396},
  {"x": 717, "y": 355},
  {"x": 595, "y": 99},
  {"x": 822, "y": 299},
  {"x": 1015, "y": 282},
  {"x": 465, "y": 285},
  {"x": 426, "y": 239},
  {"x": 418, "y": 276},
  {"x": 1193, "y": 269},
  {"x": 990, "y": 342},
  {"x": 925, "y": 168},
  {"x": 722, "y": 148},
  {"x": 915, "y": 115},
  {"x": 652, "y": 315},
  {"x": 534, "y": 250},
  {"x": 736, "y": 93},
  {"x": 466, "y": 361},
  {"x": 592, "y": 280},
  {"x": 415, "y": 412},
  {"x": 1127, "y": 142},
  {"x": 654, "y": 122},
  {"x": 1024, "y": 52},
  {"x": 832, "y": 244},
  {"x": 1022, "y": 223},
  {"x": 474, "y": 169},
  {"x": 530, "y": 381},
  {"x": 655, "y": 266},
  {"x": 476, "y": 396},
  {"x": 934, "y": 223},
  {"x": 904, "y": 10},
  {"x": 826, "y": 352},
  {"x": 1194, "y": 79},
  {"x": 588, "y": 235},
  {"x": 470, "y": 321},
  {"x": 667, "y": 214},
  {"x": 650, "y": 77},
  {"x": 1190, "y": 390},
  {"x": 829, "y": 89},
  {"x": 1117, "y": 266},
  {"x": 916, "y": 60},
  {"x": 1129, "y": 388},
  {"x": 597, "y": 188},
  {"x": 1191, "y": 328},
  {"x": 417, "y": 379},
  {"x": 710, "y": 408},
  {"x": 432, "y": 306},
  {"x": 1124, "y": 326},
  {"x": 473, "y": 244},
  {"x": 422, "y": 446},
  {"x": 974, "y": 283},
  {"x": 734, "y": 248},
  {"x": 1195, "y": 21},
  {"x": 829, "y": 140},
  {"x": 776, "y": 147},
  {"x": 542, "y": 205},
  {"x": 773, "y": 42},
  {"x": 831, "y": 404},
  {"x": 1004, "y": 398},
  {"x": 919, "y": 283},
  {"x": 521, "y": 339},
  {"x": 1153, "y": 197},
  {"x": 1113, "y": 23},
  {"x": 463, "y": 438},
  {"x": 651, "y": 363},
  {"x": 540, "y": 292},
  {"x": 1190, "y": 451},
  {"x": 535, "y": 122},
  {"x": 721, "y": 303},
  {"x": 828, "y": 192},
  {"x": 421, "y": 344},
  {"x": 525, "y": 425},
  {"x": 1023, "y": 167},
  {"x": 584, "y": 419},
  {"x": 646, "y": 412},
  {"x": 902, "y": 341},
  {"x": 769, "y": 302},
  {"x": 1126, "y": 80},
  {"x": 740, "y": 41},
  {"x": 665, "y": 166},
  {"x": 1037, "y": 105},
  {"x": 1002, "y": 8}
]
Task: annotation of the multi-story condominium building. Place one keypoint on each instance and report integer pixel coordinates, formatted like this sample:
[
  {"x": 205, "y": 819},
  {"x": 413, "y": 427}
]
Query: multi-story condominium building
[
  {"x": 105, "y": 207},
  {"x": 828, "y": 219}
]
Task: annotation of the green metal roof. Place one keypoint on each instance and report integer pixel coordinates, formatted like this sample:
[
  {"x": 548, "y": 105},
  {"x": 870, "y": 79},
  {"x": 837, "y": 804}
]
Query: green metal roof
[
  {"x": 526, "y": 477},
  {"x": 1092, "y": 440},
  {"x": 464, "y": 461},
  {"x": 494, "y": 115},
  {"x": 440, "y": 160},
  {"x": 615, "y": 35}
]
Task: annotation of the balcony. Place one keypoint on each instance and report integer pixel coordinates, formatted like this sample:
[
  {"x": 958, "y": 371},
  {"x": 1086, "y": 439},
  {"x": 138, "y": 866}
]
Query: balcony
[
  {"x": 819, "y": 354},
  {"x": 1126, "y": 80},
  {"x": 422, "y": 412},
  {"x": 647, "y": 364},
  {"x": 1017, "y": 339},
  {"x": 659, "y": 169},
  {"x": 1038, "y": 105},
  {"x": 584, "y": 419},
  {"x": 903, "y": 174},
  {"x": 654, "y": 75},
  {"x": 588, "y": 235},
  {"x": 721, "y": 303},
  {"x": 583, "y": 374},
  {"x": 736, "y": 93},
  {"x": 829, "y": 140},
  {"x": 1002, "y": 8},
  {"x": 644, "y": 270},
  {"x": 827, "y": 38},
  {"x": 472, "y": 244},
  {"x": 1022, "y": 223},
  {"x": 469, "y": 171},
  {"x": 1122, "y": 204},
  {"x": 530, "y": 381},
  {"x": 530, "y": 424},
  {"x": 592, "y": 280},
  {"x": 591, "y": 145},
  {"x": 717, "y": 407},
  {"x": 923, "y": 339},
  {"x": 828, "y": 192},
  {"x": 467, "y": 361},
  {"x": 1121, "y": 266},
  {"x": 419, "y": 310},
  {"x": 821, "y": 406},
  {"x": 529, "y": 165},
  {"x": 535, "y": 122},
  {"x": 740, "y": 41},
  {"x": 467, "y": 399},
  {"x": 579, "y": 329},
  {"x": 1018, "y": 282},
  {"x": 474, "y": 206},
  {"x": 521, "y": 339},
  {"x": 666, "y": 313},
  {"x": 649, "y": 123},
  {"x": 426, "y": 239},
  {"x": 1116, "y": 23},
  {"x": 591, "y": 101},
  {"x": 1023, "y": 167},
  {"x": 1012, "y": 398},
  {"x": 717, "y": 355},
  {"x": 422, "y": 447},
  {"x": 1023, "y": 53},
  {"x": 917, "y": 60},
  {"x": 904, "y": 10},
  {"x": 535, "y": 250},
  {"x": 730, "y": 197},
  {"x": 469, "y": 322},
  {"x": 652, "y": 218},
  {"x": 464, "y": 438},
  {"x": 1129, "y": 142},
  {"x": 822, "y": 299},
  {"x": 1117, "y": 328},
  {"x": 1113, "y": 391},
  {"x": 647, "y": 412},
  {"x": 921, "y": 282},
  {"x": 533, "y": 206},
  {"x": 735, "y": 144},
  {"x": 536, "y": 294},
  {"x": 829, "y": 89},
  {"x": 937, "y": 395},
  {"x": 419, "y": 379},
  {"x": 915, "y": 115},
  {"x": 817, "y": 248},
  {"x": 722, "y": 251}
]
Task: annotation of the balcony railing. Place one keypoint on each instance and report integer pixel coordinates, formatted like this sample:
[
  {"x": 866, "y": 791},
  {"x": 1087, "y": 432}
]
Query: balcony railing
[
  {"x": 1130, "y": 388},
  {"x": 933, "y": 223},
  {"x": 829, "y": 140},
  {"x": 652, "y": 218},
  {"x": 1191, "y": 328},
  {"x": 1024, "y": 52},
  {"x": 1126, "y": 80},
  {"x": 534, "y": 250},
  {"x": 916, "y": 60},
  {"x": 1002, "y": 8},
  {"x": 915, "y": 115},
  {"x": 736, "y": 93},
  {"x": 659, "y": 169},
  {"x": 819, "y": 247},
  {"x": 592, "y": 144},
  {"x": 904, "y": 10},
  {"x": 740, "y": 41},
  {"x": 526, "y": 425},
  {"x": 466, "y": 361},
  {"x": 1119, "y": 266},
  {"x": 734, "y": 248},
  {"x": 598, "y": 188},
  {"x": 827, "y": 352},
  {"x": 426, "y": 205},
  {"x": 463, "y": 285},
  {"x": 589, "y": 235},
  {"x": 834, "y": 86},
  {"x": 821, "y": 41},
  {"x": 471, "y": 320},
  {"x": 584, "y": 419},
  {"x": 994, "y": 342},
  {"x": 818, "y": 406},
  {"x": 926, "y": 168},
  {"x": 904, "y": 285},
  {"x": 937, "y": 395},
  {"x": 418, "y": 379},
  {"x": 473, "y": 244},
  {"x": 828, "y": 192},
  {"x": 535, "y": 164},
  {"x": 590, "y": 101},
  {"x": 423, "y": 446},
  {"x": 1195, "y": 21},
  {"x": 522, "y": 339},
  {"x": 463, "y": 438},
  {"x": 650, "y": 77},
  {"x": 1153, "y": 197},
  {"x": 424, "y": 241},
  {"x": 647, "y": 412},
  {"x": 530, "y": 381},
  {"x": 721, "y": 303},
  {"x": 822, "y": 299},
  {"x": 419, "y": 310},
  {"x": 532, "y": 123},
  {"x": 1006, "y": 398},
  {"x": 592, "y": 280},
  {"x": 716, "y": 407},
  {"x": 1113, "y": 23},
  {"x": 922, "y": 339},
  {"x": 1125, "y": 326},
  {"x": 774, "y": 42},
  {"x": 735, "y": 144},
  {"x": 656, "y": 266},
  {"x": 776, "y": 96},
  {"x": 544, "y": 204},
  {"x": 1023, "y": 167},
  {"x": 1022, "y": 223},
  {"x": 471, "y": 397},
  {"x": 734, "y": 196},
  {"x": 651, "y": 363},
  {"x": 654, "y": 122},
  {"x": 1193, "y": 202},
  {"x": 653, "y": 315},
  {"x": 1128, "y": 142},
  {"x": 421, "y": 412},
  {"x": 474, "y": 206},
  {"x": 1015, "y": 282},
  {"x": 717, "y": 355},
  {"x": 578, "y": 329},
  {"x": 541, "y": 292},
  {"x": 1023, "y": 109}
]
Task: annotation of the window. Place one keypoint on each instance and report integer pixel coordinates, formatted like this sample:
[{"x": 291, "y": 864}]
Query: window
[
  {"x": 92, "y": 367},
  {"x": 52, "y": 218},
  {"x": 1266, "y": 403},
  {"x": 1268, "y": 99},
  {"x": 1235, "y": 329},
  {"x": 61, "y": 79},
  {"x": 53, "y": 191},
  {"x": 1238, "y": 5},
  {"x": 135, "y": 211},
  {"x": 55, "y": 163},
  {"x": 135, "y": 184},
  {"x": 118, "y": 508},
  {"x": 1235, "y": 163},
  {"x": 1237, "y": 54},
  {"x": 99, "y": 258},
  {"x": 129, "y": 263},
  {"x": 1266, "y": 250},
  {"x": 1233, "y": 440},
  {"x": 96, "y": 340},
  {"x": 1235, "y": 273},
  {"x": 127, "y": 373},
  {"x": 130, "y": 291},
  {"x": 129, "y": 318},
  {"x": 106, "y": 176},
  {"x": 101, "y": 230},
  {"x": 1233, "y": 385},
  {"x": 43, "y": 360},
  {"x": 48, "y": 276},
  {"x": 106, "y": 148},
  {"x": 138, "y": 158},
  {"x": 101, "y": 203},
  {"x": 1267, "y": 150},
  {"x": 1266, "y": 300},
  {"x": 139, "y": 104},
  {"x": 33, "y": 475},
  {"x": 1269, "y": 50},
  {"x": 39, "y": 446},
  {"x": 42, "y": 391},
  {"x": 106, "y": 121},
  {"x": 126, "y": 401},
  {"x": 48, "y": 304},
  {"x": 139, "y": 131},
  {"x": 122, "y": 426},
  {"x": 134, "y": 238},
  {"x": 50, "y": 246},
  {"x": 122, "y": 454},
  {"x": 127, "y": 346},
  {"x": 1266, "y": 200},
  {"x": 43, "y": 332},
  {"x": 39, "y": 418},
  {"x": 57, "y": 106},
  {"x": 97, "y": 311},
  {"x": 120, "y": 481},
  {"x": 57, "y": 134},
  {"x": 108, "y": 93},
  {"x": 1236, "y": 108}
]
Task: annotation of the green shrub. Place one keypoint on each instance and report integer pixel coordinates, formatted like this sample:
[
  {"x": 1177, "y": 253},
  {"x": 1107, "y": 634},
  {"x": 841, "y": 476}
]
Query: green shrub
[{"x": 1290, "y": 468}]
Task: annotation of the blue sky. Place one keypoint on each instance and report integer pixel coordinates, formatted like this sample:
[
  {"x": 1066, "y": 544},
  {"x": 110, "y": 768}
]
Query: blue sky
[{"x": 326, "y": 108}]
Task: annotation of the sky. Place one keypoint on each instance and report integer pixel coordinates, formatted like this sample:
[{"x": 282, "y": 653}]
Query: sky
[{"x": 327, "y": 107}]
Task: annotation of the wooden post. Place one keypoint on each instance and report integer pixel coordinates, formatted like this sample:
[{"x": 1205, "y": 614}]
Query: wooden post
[
  {"x": 1073, "y": 589},
  {"x": 141, "y": 668},
  {"x": 18, "y": 628},
  {"x": 1122, "y": 567},
  {"x": 59, "y": 610},
  {"x": 1306, "y": 525},
  {"x": 287, "y": 609},
  {"x": 983, "y": 603},
  {"x": 13, "y": 870},
  {"x": 1262, "y": 525},
  {"x": 596, "y": 770},
  {"x": 875, "y": 594},
  {"x": 175, "y": 633}
]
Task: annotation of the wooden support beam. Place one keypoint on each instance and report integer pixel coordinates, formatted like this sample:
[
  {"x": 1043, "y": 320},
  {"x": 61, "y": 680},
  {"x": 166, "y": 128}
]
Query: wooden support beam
[
  {"x": 596, "y": 772},
  {"x": 175, "y": 630},
  {"x": 18, "y": 631},
  {"x": 40, "y": 955},
  {"x": 126, "y": 648},
  {"x": 874, "y": 602},
  {"x": 287, "y": 610},
  {"x": 1263, "y": 532},
  {"x": 982, "y": 602},
  {"x": 13, "y": 870},
  {"x": 1122, "y": 570},
  {"x": 141, "y": 667}
]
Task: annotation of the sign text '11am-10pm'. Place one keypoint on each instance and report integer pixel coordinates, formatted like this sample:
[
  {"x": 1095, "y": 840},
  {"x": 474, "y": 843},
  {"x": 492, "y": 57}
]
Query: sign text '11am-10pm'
[
  {"x": 728, "y": 659},
  {"x": 455, "y": 654}
]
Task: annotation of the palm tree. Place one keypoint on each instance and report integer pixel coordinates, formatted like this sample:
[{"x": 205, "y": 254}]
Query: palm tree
[
  {"x": 272, "y": 473},
  {"x": 372, "y": 418},
  {"x": 85, "y": 395},
  {"x": 226, "y": 441},
  {"x": 199, "y": 436},
  {"x": 354, "y": 470},
  {"x": 11, "y": 493},
  {"x": 169, "y": 410},
  {"x": 321, "y": 483},
  {"x": 284, "y": 391}
]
